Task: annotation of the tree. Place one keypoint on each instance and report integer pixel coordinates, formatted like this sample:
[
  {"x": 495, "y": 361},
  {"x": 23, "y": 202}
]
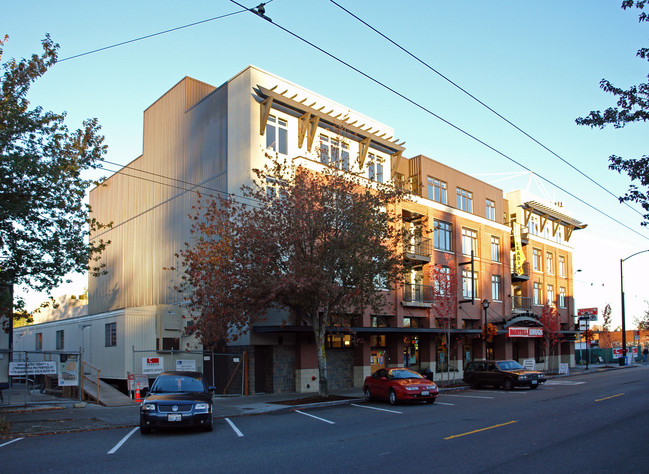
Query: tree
[
  {"x": 551, "y": 322},
  {"x": 605, "y": 335},
  {"x": 318, "y": 245},
  {"x": 44, "y": 223},
  {"x": 632, "y": 106},
  {"x": 643, "y": 322}
]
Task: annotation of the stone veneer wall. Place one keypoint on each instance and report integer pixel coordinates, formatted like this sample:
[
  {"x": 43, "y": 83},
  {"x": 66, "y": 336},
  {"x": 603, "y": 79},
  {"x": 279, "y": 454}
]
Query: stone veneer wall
[
  {"x": 283, "y": 369},
  {"x": 340, "y": 368}
]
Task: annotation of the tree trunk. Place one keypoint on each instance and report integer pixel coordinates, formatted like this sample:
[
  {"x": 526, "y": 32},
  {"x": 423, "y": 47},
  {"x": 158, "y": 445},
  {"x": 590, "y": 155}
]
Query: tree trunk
[{"x": 322, "y": 361}]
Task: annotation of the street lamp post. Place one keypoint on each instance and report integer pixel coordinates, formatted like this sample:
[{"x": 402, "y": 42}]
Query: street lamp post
[
  {"x": 622, "y": 260},
  {"x": 485, "y": 305}
]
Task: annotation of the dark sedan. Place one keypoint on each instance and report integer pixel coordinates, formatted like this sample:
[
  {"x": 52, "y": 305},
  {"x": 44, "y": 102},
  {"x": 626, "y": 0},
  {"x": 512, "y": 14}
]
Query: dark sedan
[
  {"x": 177, "y": 400},
  {"x": 399, "y": 384},
  {"x": 501, "y": 373}
]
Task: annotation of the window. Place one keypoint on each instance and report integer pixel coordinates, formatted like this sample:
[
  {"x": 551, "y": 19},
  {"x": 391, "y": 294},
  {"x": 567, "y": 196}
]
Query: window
[
  {"x": 464, "y": 200},
  {"x": 437, "y": 190},
  {"x": 469, "y": 242},
  {"x": 495, "y": 248},
  {"x": 379, "y": 172},
  {"x": 274, "y": 188},
  {"x": 562, "y": 297},
  {"x": 338, "y": 341},
  {"x": 60, "y": 340},
  {"x": 324, "y": 149},
  {"x": 277, "y": 135},
  {"x": 39, "y": 341},
  {"x": 496, "y": 288},
  {"x": 550, "y": 295},
  {"x": 562, "y": 266},
  {"x": 491, "y": 210},
  {"x": 371, "y": 170},
  {"x": 549, "y": 262},
  {"x": 111, "y": 334},
  {"x": 537, "y": 264},
  {"x": 345, "y": 157},
  {"x": 443, "y": 236},
  {"x": 442, "y": 280},
  {"x": 467, "y": 290},
  {"x": 335, "y": 153},
  {"x": 536, "y": 297}
]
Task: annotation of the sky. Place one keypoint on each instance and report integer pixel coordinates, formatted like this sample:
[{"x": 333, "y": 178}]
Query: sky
[{"x": 538, "y": 64}]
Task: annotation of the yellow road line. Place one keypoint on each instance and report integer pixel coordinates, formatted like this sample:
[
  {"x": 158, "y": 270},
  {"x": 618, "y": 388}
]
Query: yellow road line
[
  {"x": 606, "y": 398},
  {"x": 482, "y": 429}
]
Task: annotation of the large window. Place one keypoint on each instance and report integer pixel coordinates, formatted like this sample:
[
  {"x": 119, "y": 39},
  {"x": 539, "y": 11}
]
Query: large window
[
  {"x": 537, "y": 263},
  {"x": 495, "y": 248},
  {"x": 550, "y": 295},
  {"x": 491, "y": 210},
  {"x": 39, "y": 341},
  {"x": 536, "y": 296},
  {"x": 60, "y": 340},
  {"x": 549, "y": 262},
  {"x": 111, "y": 334},
  {"x": 562, "y": 297},
  {"x": 374, "y": 168},
  {"x": 277, "y": 134},
  {"x": 344, "y": 156},
  {"x": 467, "y": 289},
  {"x": 443, "y": 236},
  {"x": 469, "y": 241},
  {"x": 437, "y": 190},
  {"x": 496, "y": 288},
  {"x": 464, "y": 200},
  {"x": 562, "y": 266}
]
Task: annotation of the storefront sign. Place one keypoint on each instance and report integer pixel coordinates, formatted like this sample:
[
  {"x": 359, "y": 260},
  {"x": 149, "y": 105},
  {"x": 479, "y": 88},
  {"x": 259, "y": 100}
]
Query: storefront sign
[{"x": 525, "y": 332}]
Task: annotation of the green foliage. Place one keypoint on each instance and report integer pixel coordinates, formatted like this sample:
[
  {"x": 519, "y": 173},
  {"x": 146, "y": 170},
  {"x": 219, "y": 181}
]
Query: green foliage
[
  {"x": 44, "y": 223},
  {"x": 632, "y": 106},
  {"x": 318, "y": 245}
]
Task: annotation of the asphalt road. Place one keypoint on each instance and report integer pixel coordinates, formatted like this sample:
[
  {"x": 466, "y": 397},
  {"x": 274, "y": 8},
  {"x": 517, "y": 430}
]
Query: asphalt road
[{"x": 590, "y": 423}]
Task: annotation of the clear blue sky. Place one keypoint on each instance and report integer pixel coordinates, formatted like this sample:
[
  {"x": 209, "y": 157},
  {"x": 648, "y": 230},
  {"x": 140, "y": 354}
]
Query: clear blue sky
[{"x": 537, "y": 63}]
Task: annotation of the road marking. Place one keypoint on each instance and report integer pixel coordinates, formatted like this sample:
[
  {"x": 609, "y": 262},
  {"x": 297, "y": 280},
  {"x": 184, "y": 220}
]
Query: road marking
[
  {"x": 9, "y": 442},
  {"x": 119, "y": 445},
  {"x": 608, "y": 398},
  {"x": 379, "y": 409},
  {"x": 482, "y": 429},
  {"x": 316, "y": 417},
  {"x": 236, "y": 430},
  {"x": 442, "y": 403},
  {"x": 563, "y": 382},
  {"x": 468, "y": 396}
]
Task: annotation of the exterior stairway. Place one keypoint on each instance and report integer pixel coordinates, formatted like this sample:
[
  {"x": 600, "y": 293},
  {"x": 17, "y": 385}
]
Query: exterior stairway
[{"x": 108, "y": 396}]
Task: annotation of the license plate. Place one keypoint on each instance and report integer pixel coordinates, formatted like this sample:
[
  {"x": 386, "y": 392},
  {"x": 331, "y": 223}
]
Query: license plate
[
  {"x": 534, "y": 382},
  {"x": 425, "y": 392},
  {"x": 174, "y": 417}
]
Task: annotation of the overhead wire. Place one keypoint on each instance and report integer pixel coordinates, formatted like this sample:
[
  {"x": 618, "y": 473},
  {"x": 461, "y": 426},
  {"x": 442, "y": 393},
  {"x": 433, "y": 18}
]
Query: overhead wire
[
  {"x": 456, "y": 85},
  {"x": 437, "y": 116}
]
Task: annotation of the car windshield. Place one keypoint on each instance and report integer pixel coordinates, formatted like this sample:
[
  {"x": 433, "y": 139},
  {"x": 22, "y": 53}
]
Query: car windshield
[
  {"x": 177, "y": 383},
  {"x": 404, "y": 374},
  {"x": 510, "y": 365}
]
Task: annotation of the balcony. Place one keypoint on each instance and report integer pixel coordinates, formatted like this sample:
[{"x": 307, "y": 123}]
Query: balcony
[
  {"x": 524, "y": 275},
  {"x": 417, "y": 295},
  {"x": 419, "y": 249},
  {"x": 521, "y": 304},
  {"x": 524, "y": 234}
]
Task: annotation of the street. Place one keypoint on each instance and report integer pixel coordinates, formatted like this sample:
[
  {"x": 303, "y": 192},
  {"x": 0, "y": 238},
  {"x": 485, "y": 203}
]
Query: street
[{"x": 594, "y": 422}]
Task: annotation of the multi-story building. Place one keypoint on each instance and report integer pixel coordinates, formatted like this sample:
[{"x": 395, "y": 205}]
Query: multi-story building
[{"x": 198, "y": 137}]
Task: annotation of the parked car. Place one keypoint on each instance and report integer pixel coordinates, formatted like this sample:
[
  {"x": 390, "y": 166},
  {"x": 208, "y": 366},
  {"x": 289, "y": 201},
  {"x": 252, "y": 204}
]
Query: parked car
[
  {"x": 501, "y": 373},
  {"x": 398, "y": 385},
  {"x": 177, "y": 400}
]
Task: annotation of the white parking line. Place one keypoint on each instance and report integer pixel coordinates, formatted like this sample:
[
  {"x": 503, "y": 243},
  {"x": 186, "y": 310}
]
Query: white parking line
[
  {"x": 442, "y": 403},
  {"x": 563, "y": 382},
  {"x": 316, "y": 417},
  {"x": 119, "y": 445},
  {"x": 9, "y": 442},
  {"x": 468, "y": 396},
  {"x": 236, "y": 430},
  {"x": 374, "y": 408}
]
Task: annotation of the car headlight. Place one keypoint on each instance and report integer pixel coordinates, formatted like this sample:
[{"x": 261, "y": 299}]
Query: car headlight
[
  {"x": 202, "y": 406},
  {"x": 522, "y": 377},
  {"x": 412, "y": 388},
  {"x": 148, "y": 407}
]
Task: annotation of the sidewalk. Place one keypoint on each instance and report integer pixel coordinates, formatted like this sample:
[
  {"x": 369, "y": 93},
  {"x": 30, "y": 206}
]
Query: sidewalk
[{"x": 53, "y": 415}]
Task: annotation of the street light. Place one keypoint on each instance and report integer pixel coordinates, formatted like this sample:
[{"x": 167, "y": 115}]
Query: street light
[
  {"x": 622, "y": 260},
  {"x": 485, "y": 305}
]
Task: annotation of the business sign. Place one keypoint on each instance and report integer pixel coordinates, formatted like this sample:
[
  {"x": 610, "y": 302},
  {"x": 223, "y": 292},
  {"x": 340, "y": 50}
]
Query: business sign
[
  {"x": 590, "y": 312},
  {"x": 525, "y": 332},
  {"x": 45, "y": 367},
  {"x": 152, "y": 365},
  {"x": 186, "y": 365},
  {"x": 69, "y": 373},
  {"x": 617, "y": 352},
  {"x": 529, "y": 364}
]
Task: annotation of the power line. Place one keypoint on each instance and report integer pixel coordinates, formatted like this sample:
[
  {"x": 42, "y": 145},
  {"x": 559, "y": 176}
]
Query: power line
[
  {"x": 440, "y": 118},
  {"x": 421, "y": 61}
]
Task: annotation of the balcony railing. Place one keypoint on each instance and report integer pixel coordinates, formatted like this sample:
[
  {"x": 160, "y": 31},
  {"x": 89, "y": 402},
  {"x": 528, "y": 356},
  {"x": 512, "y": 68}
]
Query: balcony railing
[
  {"x": 413, "y": 293},
  {"x": 521, "y": 304},
  {"x": 419, "y": 249}
]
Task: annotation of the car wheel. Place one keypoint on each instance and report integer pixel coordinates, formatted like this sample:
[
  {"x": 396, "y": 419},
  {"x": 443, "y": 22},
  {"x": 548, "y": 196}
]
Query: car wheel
[
  {"x": 145, "y": 430},
  {"x": 534, "y": 386},
  {"x": 474, "y": 383},
  {"x": 368, "y": 394},
  {"x": 432, "y": 400},
  {"x": 393, "y": 398},
  {"x": 508, "y": 384}
]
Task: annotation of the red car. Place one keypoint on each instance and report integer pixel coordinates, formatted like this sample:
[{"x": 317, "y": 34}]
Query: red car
[{"x": 399, "y": 384}]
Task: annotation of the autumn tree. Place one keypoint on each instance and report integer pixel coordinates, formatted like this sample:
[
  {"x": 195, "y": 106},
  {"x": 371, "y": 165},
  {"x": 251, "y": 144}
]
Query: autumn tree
[
  {"x": 445, "y": 301},
  {"x": 632, "y": 106},
  {"x": 316, "y": 245},
  {"x": 605, "y": 335},
  {"x": 643, "y": 322},
  {"x": 551, "y": 322},
  {"x": 44, "y": 223}
]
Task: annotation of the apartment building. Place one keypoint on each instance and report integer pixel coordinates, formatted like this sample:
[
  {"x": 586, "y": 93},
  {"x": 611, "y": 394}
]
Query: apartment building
[{"x": 198, "y": 137}]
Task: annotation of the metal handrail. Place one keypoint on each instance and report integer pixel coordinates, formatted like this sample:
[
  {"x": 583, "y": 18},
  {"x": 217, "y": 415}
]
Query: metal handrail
[{"x": 419, "y": 293}]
